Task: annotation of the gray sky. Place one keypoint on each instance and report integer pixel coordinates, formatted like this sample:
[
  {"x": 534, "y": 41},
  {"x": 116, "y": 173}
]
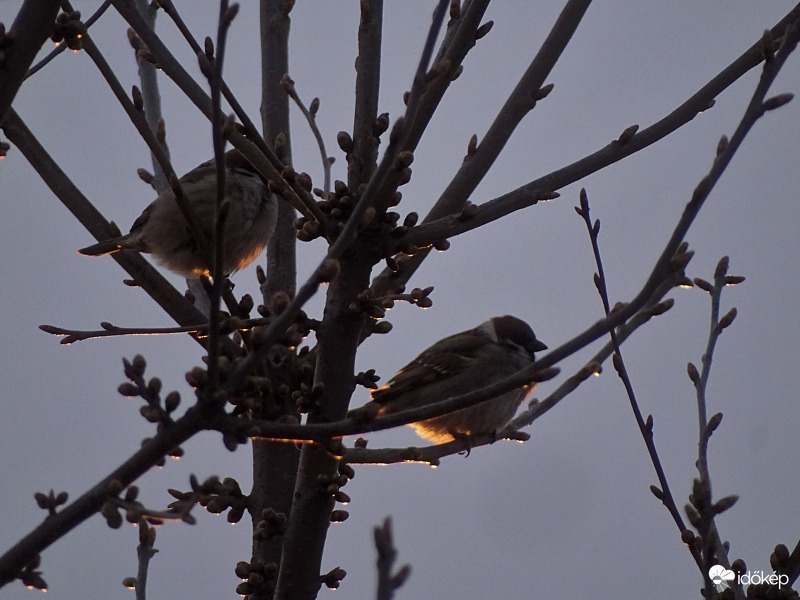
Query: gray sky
[{"x": 570, "y": 510}]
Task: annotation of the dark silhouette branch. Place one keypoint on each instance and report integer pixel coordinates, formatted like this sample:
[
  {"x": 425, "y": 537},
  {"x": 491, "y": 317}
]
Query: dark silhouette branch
[
  {"x": 269, "y": 166},
  {"x": 368, "y": 75},
  {"x": 151, "y": 97},
  {"x": 58, "y": 525},
  {"x": 324, "y": 432},
  {"x": 708, "y": 548},
  {"x": 645, "y": 427},
  {"x": 310, "y": 116},
  {"x": 62, "y": 46},
  {"x": 145, "y": 276},
  {"x": 338, "y": 338},
  {"x": 275, "y": 465},
  {"x": 441, "y": 226},
  {"x": 31, "y": 28}
]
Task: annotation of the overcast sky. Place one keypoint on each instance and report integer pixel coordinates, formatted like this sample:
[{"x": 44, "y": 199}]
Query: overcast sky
[{"x": 568, "y": 512}]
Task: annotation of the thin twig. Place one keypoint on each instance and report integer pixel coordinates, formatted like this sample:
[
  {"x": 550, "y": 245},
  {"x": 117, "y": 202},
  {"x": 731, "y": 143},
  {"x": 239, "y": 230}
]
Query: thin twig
[
  {"x": 63, "y": 46},
  {"x": 76, "y": 335},
  {"x": 388, "y": 581},
  {"x": 530, "y": 193},
  {"x": 138, "y": 119},
  {"x": 289, "y": 87},
  {"x": 226, "y": 15},
  {"x": 151, "y": 100},
  {"x": 711, "y": 546},
  {"x": 136, "y": 509},
  {"x": 721, "y": 280},
  {"x": 645, "y": 427},
  {"x": 144, "y": 552},
  {"x": 267, "y": 165}
]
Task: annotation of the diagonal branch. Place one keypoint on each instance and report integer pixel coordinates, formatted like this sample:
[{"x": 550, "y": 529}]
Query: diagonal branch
[
  {"x": 31, "y": 28},
  {"x": 62, "y": 522},
  {"x": 519, "y": 103},
  {"x": 542, "y": 187},
  {"x": 63, "y": 46},
  {"x": 148, "y": 278},
  {"x": 432, "y": 454},
  {"x": 157, "y": 151},
  {"x": 673, "y": 258},
  {"x": 663, "y": 492},
  {"x": 268, "y": 166}
]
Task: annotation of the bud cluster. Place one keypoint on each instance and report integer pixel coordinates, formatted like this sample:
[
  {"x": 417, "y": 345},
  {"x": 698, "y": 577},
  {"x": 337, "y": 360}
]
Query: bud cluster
[
  {"x": 155, "y": 410},
  {"x": 69, "y": 29},
  {"x": 214, "y": 495}
]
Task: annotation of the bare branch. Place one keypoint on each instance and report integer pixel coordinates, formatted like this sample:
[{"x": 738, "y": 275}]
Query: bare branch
[
  {"x": 111, "y": 330},
  {"x": 266, "y": 165},
  {"x": 29, "y": 31},
  {"x": 151, "y": 98},
  {"x": 90, "y": 503},
  {"x": 388, "y": 581},
  {"x": 645, "y": 427},
  {"x": 289, "y": 87},
  {"x": 368, "y": 73},
  {"x": 218, "y": 242},
  {"x": 710, "y": 543},
  {"x": 432, "y": 454},
  {"x": 530, "y": 193},
  {"x": 62, "y": 46},
  {"x": 144, "y": 551},
  {"x": 148, "y": 278}
]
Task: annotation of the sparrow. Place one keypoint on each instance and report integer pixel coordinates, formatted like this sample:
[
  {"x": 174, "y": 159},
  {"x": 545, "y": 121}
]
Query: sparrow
[
  {"x": 458, "y": 364},
  {"x": 162, "y": 230}
]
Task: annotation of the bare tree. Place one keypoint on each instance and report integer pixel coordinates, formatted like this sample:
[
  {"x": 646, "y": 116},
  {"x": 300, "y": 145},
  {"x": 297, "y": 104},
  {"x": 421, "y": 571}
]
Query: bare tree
[{"x": 262, "y": 381}]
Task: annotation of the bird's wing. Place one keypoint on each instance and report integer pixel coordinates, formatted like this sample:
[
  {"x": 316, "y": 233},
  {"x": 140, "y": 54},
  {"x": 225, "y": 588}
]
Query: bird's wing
[
  {"x": 142, "y": 218},
  {"x": 446, "y": 358}
]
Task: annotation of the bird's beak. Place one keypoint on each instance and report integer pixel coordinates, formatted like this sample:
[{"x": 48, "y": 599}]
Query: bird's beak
[{"x": 537, "y": 346}]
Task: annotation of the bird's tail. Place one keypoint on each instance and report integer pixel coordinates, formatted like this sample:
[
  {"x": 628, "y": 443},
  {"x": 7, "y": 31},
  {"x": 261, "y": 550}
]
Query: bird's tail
[{"x": 104, "y": 247}]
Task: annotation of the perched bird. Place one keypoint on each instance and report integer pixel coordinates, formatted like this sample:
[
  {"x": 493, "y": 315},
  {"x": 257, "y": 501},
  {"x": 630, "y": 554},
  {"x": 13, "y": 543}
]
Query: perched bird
[
  {"x": 459, "y": 364},
  {"x": 163, "y": 231}
]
